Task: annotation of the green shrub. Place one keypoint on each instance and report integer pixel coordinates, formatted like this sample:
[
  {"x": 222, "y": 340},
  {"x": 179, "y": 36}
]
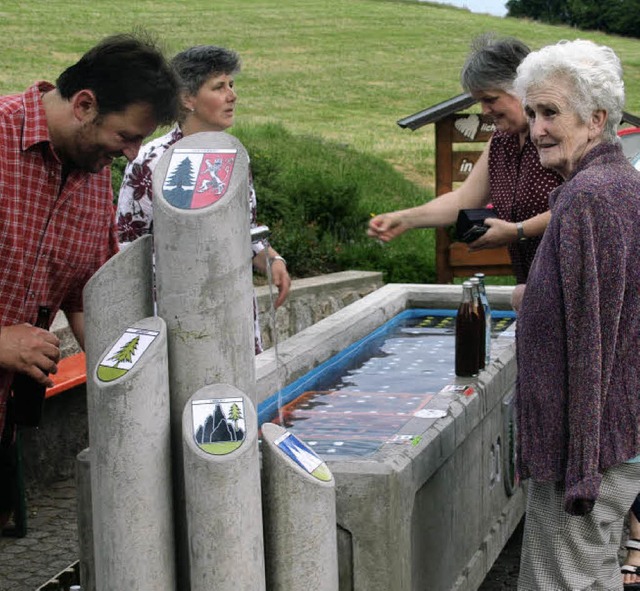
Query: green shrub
[{"x": 317, "y": 198}]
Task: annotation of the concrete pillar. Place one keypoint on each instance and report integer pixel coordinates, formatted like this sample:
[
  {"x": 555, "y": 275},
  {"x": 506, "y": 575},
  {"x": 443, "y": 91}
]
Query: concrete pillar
[
  {"x": 119, "y": 294},
  {"x": 84, "y": 519},
  {"x": 130, "y": 445},
  {"x": 299, "y": 505},
  {"x": 203, "y": 267},
  {"x": 222, "y": 489},
  {"x": 204, "y": 280}
]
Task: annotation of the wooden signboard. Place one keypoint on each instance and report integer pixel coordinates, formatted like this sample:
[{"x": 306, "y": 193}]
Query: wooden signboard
[{"x": 453, "y": 259}]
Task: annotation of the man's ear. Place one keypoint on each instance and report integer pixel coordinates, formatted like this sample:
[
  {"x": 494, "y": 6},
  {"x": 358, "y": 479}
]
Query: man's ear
[
  {"x": 85, "y": 105},
  {"x": 598, "y": 121}
]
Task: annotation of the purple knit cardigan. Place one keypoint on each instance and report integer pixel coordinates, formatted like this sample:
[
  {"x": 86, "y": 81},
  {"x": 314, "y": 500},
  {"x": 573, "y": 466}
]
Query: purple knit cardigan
[{"x": 578, "y": 331}]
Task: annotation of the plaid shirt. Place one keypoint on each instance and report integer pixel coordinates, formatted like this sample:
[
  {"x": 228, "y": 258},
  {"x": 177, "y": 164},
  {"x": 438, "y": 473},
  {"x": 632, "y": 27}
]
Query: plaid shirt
[{"x": 52, "y": 237}]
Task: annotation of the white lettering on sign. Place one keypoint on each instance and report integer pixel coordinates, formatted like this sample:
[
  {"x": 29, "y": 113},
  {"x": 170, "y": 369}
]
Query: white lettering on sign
[
  {"x": 466, "y": 166},
  {"x": 489, "y": 127}
]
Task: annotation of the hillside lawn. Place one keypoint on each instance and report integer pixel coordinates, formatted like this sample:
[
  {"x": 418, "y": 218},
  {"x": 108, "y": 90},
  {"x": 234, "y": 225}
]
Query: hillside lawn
[{"x": 343, "y": 71}]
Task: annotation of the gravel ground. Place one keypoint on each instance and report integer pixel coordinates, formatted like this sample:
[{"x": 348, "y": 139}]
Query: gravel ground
[
  {"x": 503, "y": 575},
  {"x": 51, "y": 545}
]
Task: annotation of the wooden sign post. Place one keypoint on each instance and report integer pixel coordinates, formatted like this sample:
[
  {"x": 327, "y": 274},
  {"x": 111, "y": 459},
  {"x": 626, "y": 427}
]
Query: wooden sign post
[{"x": 454, "y": 259}]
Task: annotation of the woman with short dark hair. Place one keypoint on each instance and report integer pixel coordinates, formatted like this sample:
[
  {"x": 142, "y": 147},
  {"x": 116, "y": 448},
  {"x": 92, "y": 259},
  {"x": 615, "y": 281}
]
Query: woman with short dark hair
[
  {"x": 508, "y": 174},
  {"x": 208, "y": 98}
]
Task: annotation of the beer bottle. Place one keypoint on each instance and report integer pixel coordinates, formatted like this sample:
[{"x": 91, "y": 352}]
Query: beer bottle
[
  {"x": 482, "y": 322},
  {"x": 28, "y": 395},
  {"x": 467, "y": 335},
  {"x": 487, "y": 317}
]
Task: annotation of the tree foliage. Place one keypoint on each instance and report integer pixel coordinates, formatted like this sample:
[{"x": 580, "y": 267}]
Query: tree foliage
[
  {"x": 126, "y": 351},
  {"x": 619, "y": 17},
  {"x": 182, "y": 176},
  {"x": 235, "y": 414}
]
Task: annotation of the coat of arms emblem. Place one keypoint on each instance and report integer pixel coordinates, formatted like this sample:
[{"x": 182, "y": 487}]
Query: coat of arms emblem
[{"x": 197, "y": 178}]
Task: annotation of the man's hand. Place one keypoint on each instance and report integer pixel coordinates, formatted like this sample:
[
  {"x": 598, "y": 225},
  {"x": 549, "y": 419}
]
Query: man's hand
[{"x": 29, "y": 350}]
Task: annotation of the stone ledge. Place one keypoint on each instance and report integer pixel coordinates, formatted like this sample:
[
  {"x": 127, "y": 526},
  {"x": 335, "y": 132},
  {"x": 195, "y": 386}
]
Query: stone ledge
[
  {"x": 60, "y": 327},
  {"x": 312, "y": 299},
  {"x": 342, "y": 279}
]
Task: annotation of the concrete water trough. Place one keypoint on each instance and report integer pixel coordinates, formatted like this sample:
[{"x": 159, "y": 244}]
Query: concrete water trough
[{"x": 431, "y": 500}]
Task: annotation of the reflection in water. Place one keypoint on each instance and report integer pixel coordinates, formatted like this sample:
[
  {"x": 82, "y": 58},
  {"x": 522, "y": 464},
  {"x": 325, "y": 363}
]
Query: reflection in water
[{"x": 365, "y": 397}]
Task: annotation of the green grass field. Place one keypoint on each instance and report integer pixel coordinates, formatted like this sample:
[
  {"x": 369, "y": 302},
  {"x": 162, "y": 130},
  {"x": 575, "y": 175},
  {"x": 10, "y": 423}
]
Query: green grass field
[
  {"x": 341, "y": 70},
  {"x": 345, "y": 70}
]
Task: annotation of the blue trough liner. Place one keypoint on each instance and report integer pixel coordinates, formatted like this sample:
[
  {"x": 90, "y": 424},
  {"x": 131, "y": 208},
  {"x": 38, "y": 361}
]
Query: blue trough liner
[{"x": 338, "y": 364}]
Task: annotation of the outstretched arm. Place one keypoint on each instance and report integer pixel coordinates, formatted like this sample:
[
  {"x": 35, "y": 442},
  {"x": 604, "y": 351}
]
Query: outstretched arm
[{"x": 442, "y": 210}]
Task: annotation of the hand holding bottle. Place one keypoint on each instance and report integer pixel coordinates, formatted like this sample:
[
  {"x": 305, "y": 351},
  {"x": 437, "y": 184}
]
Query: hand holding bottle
[{"x": 29, "y": 350}]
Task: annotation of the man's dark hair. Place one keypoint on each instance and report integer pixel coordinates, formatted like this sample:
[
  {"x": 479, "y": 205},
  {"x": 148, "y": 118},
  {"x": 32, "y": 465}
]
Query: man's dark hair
[{"x": 123, "y": 70}]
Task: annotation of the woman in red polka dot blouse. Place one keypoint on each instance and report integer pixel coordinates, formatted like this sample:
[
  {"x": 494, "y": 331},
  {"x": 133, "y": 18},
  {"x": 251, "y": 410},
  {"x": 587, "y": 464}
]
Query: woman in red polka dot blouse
[{"x": 508, "y": 174}]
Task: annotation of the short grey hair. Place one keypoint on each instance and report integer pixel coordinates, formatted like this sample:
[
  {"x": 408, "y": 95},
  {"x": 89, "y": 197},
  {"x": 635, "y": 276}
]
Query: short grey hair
[
  {"x": 194, "y": 66},
  {"x": 593, "y": 73},
  {"x": 492, "y": 63}
]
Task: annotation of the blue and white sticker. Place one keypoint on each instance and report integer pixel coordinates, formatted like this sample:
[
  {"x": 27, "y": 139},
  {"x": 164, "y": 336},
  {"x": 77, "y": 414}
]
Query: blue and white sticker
[{"x": 304, "y": 456}]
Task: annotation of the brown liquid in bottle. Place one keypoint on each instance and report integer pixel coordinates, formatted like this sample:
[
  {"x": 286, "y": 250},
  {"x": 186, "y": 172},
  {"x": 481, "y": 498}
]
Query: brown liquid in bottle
[
  {"x": 27, "y": 397},
  {"x": 467, "y": 335}
]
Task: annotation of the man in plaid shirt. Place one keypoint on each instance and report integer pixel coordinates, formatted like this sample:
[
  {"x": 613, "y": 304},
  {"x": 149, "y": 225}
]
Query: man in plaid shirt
[{"x": 56, "y": 204}]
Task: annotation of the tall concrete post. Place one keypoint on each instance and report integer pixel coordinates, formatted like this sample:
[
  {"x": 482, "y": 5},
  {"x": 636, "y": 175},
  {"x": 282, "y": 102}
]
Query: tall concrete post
[
  {"x": 299, "y": 507},
  {"x": 130, "y": 443},
  {"x": 204, "y": 280},
  {"x": 119, "y": 294},
  {"x": 222, "y": 489}
]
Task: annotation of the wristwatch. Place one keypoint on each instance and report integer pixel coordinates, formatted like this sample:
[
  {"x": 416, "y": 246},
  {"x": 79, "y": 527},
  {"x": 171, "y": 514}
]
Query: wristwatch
[{"x": 520, "y": 230}]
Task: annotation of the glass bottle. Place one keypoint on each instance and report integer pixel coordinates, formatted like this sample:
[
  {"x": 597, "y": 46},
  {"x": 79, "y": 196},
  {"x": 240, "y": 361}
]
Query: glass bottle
[
  {"x": 487, "y": 317},
  {"x": 478, "y": 309},
  {"x": 467, "y": 335},
  {"x": 28, "y": 395}
]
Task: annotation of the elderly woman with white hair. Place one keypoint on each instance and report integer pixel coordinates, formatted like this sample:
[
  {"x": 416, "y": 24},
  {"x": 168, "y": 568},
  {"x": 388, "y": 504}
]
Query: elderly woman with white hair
[{"x": 579, "y": 326}]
